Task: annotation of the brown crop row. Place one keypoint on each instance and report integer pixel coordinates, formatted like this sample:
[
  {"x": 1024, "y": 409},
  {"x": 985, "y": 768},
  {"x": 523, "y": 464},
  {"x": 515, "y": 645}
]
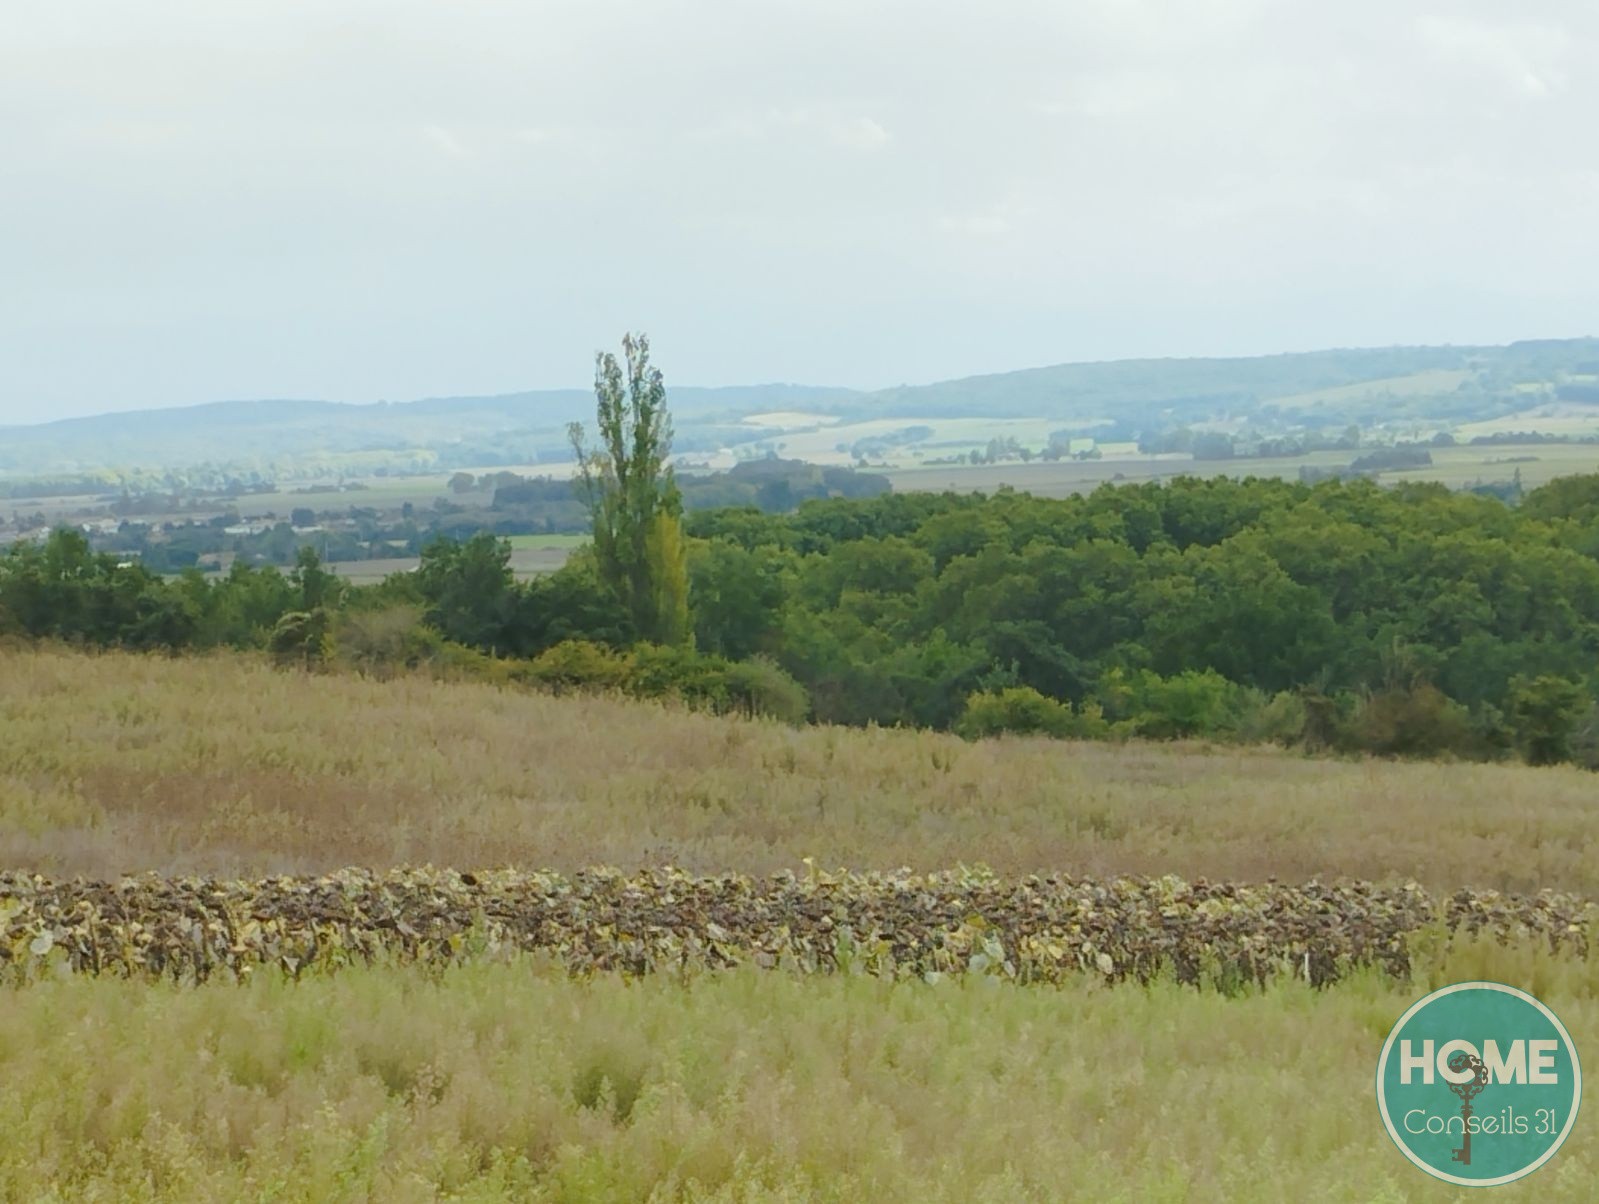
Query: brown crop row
[{"x": 1029, "y": 929}]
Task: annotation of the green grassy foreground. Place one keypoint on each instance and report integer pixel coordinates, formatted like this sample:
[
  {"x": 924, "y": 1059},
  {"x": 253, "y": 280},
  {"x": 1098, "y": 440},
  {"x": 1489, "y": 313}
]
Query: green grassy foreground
[{"x": 512, "y": 1081}]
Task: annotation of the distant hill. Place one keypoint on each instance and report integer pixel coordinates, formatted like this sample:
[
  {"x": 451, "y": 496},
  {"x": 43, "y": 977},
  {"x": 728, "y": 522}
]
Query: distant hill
[
  {"x": 1068, "y": 391},
  {"x": 268, "y": 437},
  {"x": 287, "y": 439}
]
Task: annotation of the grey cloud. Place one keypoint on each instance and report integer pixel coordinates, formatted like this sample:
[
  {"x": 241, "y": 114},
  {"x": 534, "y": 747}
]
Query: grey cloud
[{"x": 357, "y": 199}]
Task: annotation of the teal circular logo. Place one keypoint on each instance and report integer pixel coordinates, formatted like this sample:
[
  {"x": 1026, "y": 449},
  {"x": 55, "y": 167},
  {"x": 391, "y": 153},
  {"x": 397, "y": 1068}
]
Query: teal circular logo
[{"x": 1479, "y": 1084}]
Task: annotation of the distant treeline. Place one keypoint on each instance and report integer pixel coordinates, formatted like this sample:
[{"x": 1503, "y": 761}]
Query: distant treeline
[
  {"x": 1216, "y": 445},
  {"x": 518, "y": 505},
  {"x": 1406, "y": 621},
  {"x": 769, "y": 484}
]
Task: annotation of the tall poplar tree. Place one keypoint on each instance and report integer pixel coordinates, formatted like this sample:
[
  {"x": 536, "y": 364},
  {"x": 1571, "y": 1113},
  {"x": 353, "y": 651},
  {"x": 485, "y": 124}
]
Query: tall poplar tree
[{"x": 627, "y": 483}]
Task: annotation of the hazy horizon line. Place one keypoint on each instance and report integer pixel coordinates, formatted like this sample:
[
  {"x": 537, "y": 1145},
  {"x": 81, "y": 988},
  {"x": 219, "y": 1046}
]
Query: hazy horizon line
[{"x": 774, "y": 384}]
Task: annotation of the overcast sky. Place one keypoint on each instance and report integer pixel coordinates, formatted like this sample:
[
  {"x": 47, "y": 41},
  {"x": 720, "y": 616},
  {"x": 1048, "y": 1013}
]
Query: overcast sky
[{"x": 359, "y": 200}]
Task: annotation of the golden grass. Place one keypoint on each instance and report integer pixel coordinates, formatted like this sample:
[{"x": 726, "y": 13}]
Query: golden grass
[{"x": 116, "y": 763}]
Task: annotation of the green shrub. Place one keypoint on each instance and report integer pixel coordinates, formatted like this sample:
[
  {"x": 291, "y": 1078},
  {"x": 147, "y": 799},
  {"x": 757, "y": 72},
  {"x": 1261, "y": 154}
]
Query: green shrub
[
  {"x": 383, "y": 641},
  {"x": 449, "y": 661},
  {"x": 1492, "y": 732},
  {"x": 672, "y": 672},
  {"x": 581, "y": 665},
  {"x": 1020, "y": 710},
  {"x": 1271, "y": 718},
  {"x": 1545, "y": 712},
  {"x": 1162, "y": 708},
  {"x": 386, "y": 640},
  {"x": 1325, "y": 717},
  {"x": 1585, "y": 738},
  {"x": 396, "y": 589},
  {"x": 759, "y": 686},
  {"x": 302, "y": 637},
  {"x": 1089, "y": 722},
  {"x": 1415, "y": 721}
]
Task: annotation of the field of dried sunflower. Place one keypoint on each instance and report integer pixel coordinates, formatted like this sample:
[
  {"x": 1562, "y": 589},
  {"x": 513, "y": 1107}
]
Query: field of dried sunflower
[
  {"x": 1124, "y": 1006},
  {"x": 896, "y": 926}
]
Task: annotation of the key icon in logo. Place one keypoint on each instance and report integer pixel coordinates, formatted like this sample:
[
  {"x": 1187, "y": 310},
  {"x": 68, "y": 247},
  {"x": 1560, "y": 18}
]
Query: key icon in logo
[{"x": 1467, "y": 1091}]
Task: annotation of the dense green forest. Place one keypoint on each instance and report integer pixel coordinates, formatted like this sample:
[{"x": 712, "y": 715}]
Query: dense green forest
[{"x": 1407, "y": 621}]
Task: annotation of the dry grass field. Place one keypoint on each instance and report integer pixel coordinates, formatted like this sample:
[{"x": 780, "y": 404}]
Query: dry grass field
[
  {"x": 1457, "y": 467},
  {"x": 116, "y": 763},
  {"x": 531, "y": 557},
  {"x": 507, "y": 1079}
]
